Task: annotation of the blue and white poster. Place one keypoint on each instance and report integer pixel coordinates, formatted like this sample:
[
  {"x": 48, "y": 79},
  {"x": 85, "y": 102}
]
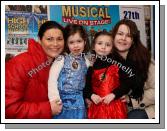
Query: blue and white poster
[{"x": 21, "y": 23}]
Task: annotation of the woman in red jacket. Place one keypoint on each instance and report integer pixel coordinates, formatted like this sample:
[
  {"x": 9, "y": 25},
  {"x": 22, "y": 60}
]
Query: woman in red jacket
[{"x": 26, "y": 76}]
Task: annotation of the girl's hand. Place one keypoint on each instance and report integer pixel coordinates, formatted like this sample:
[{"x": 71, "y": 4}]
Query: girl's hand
[
  {"x": 96, "y": 98},
  {"x": 56, "y": 106},
  {"x": 88, "y": 102},
  {"x": 108, "y": 98}
]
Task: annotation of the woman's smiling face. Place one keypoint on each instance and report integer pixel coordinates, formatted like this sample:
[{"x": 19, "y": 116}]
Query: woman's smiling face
[{"x": 52, "y": 42}]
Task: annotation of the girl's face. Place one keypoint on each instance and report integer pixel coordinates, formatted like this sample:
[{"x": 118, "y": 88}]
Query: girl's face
[
  {"x": 123, "y": 40},
  {"x": 76, "y": 44},
  {"x": 52, "y": 42},
  {"x": 103, "y": 45}
]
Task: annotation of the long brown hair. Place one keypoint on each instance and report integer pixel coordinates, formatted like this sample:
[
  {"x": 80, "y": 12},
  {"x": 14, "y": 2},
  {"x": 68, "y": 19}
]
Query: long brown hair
[{"x": 138, "y": 53}]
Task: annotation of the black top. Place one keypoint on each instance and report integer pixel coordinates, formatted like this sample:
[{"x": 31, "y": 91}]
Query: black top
[{"x": 128, "y": 82}]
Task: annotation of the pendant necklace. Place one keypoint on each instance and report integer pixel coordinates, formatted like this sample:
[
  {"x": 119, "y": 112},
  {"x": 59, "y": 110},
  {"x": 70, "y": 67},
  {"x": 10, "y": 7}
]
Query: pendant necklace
[{"x": 75, "y": 63}]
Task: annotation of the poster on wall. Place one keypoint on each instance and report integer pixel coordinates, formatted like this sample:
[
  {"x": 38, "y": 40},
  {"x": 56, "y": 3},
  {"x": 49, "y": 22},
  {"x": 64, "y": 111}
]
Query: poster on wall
[
  {"x": 135, "y": 13},
  {"x": 17, "y": 29},
  {"x": 93, "y": 17},
  {"x": 99, "y": 17},
  {"x": 40, "y": 15},
  {"x": 21, "y": 23}
]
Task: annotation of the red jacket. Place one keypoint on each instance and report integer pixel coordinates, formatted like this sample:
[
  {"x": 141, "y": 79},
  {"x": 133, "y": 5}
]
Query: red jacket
[{"x": 26, "y": 81}]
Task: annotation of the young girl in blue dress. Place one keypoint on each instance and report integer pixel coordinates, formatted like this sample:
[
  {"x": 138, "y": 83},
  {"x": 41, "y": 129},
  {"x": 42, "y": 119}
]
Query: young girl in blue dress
[{"x": 67, "y": 74}]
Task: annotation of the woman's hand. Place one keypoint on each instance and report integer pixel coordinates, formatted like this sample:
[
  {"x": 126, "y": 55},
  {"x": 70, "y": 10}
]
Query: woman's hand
[
  {"x": 108, "y": 98},
  {"x": 123, "y": 99},
  {"x": 96, "y": 98},
  {"x": 56, "y": 106}
]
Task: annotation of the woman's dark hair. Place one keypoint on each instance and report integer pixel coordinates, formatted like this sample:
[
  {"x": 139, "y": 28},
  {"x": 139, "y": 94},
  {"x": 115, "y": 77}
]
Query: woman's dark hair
[
  {"x": 138, "y": 53},
  {"x": 49, "y": 25},
  {"x": 71, "y": 29},
  {"x": 99, "y": 34}
]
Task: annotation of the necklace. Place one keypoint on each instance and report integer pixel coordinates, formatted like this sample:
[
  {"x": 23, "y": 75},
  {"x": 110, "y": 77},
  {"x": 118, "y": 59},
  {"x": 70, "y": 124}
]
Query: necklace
[
  {"x": 75, "y": 65},
  {"x": 103, "y": 75}
]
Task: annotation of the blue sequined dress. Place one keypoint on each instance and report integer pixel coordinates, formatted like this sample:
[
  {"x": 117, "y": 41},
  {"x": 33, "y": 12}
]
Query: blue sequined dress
[{"x": 71, "y": 82}]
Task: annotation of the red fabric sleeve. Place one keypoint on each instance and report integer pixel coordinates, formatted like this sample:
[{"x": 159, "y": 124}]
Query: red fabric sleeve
[{"x": 16, "y": 82}]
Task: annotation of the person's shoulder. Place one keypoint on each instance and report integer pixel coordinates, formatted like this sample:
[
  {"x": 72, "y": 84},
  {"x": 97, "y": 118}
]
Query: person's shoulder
[
  {"x": 32, "y": 54},
  {"x": 60, "y": 58},
  {"x": 20, "y": 58},
  {"x": 59, "y": 61},
  {"x": 21, "y": 62},
  {"x": 152, "y": 62},
  {"x": 87, "y": 61},
  {"x": 66, "y": 55},
  {"x": 34, "y": 47},
  {"x": 152, "y": 66}
]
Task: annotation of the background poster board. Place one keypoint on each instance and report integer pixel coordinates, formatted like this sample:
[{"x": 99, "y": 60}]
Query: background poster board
[
  {"x": 93, "y": 17},
  {"x": 21, "y": 23}
]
